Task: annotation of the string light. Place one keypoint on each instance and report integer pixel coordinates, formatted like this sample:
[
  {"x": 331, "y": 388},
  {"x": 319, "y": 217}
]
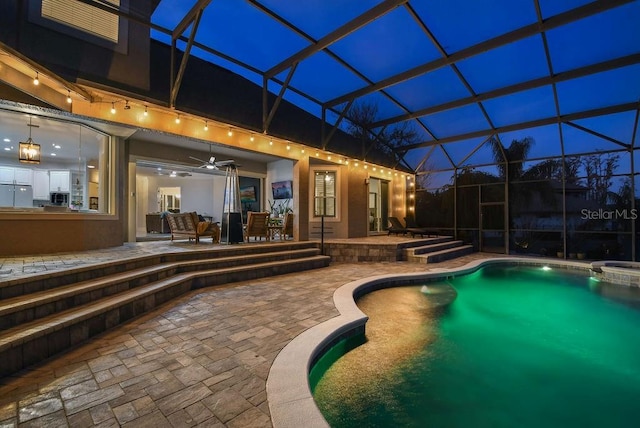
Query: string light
[
  {"x": 230, "y": 132},
  {"x": 36, "y": 81},
  {"x": 288, "y": 147},
  {"x": 206, "y": 125},
  {"x": 113, "y": 108},
  {"x": 271, "y": 142},
  {"x": 69, "y": 100},
  {"x": 251, "y": 138},
  {"x": 178, "y": 119},
  {"x": 146, "y": 113}
]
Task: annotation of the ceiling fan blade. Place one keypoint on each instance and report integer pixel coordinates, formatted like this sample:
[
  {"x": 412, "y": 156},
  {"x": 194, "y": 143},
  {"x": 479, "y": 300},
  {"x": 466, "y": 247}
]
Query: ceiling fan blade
[
  {"x": 199, "y": 160},
  {"x": 225, "y": 162}
]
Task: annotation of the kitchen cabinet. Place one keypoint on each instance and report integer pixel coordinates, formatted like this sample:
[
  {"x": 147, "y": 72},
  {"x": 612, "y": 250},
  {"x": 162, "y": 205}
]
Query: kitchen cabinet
[
  {"x": 41, "y": 184},
  {"x": 59, "y": 181},
  {"x": 11, "y": 175},
  {"x": 23, "y": 176},
  {"x": 6, "y": 175}
]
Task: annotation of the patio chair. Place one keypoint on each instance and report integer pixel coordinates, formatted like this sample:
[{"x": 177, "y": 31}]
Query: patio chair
[
  {"x": 287, "y": 227},
  {"x": 257, "y": 225},
  {"x": 396, "y": 227},
  {"x": 414, "y": 229}
]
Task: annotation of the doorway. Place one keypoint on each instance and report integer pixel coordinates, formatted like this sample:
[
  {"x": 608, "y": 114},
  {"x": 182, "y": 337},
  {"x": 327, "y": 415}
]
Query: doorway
[
  {"x": 169, "y": 199},
  {"x": 493, "y": 226},
  {"x": 378, "y": 205}
]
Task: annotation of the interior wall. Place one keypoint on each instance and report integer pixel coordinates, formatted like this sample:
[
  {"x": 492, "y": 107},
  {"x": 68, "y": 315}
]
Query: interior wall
[
  {"x": 281, "y": 170},
  {"x": 203, "y": 195}
]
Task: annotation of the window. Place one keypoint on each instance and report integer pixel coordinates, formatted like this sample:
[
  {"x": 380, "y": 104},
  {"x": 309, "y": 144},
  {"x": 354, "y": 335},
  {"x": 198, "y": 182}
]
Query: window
[
  {"x": 74, "y": 174},
  {"x": 83, "y": 21},
  {"x": 325, "y": 194},
  {"x": 84, "y": 17}
]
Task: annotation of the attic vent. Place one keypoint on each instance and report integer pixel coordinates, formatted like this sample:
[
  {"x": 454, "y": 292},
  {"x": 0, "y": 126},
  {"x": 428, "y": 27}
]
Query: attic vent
[{"x": 84, "y": 17}]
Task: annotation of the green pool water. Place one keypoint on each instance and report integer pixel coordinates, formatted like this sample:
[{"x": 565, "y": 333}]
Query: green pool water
[{"x": 517, "y": 347}]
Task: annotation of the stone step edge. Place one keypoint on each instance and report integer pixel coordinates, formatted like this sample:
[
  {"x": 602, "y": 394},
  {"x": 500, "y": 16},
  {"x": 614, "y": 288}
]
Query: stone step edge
[
  {"x": 117, "y": 266},
  {"x": 424, "y": 258},
  {"x": 18, "y": 303},
  {"x": 433, "y": 247},
  {"x": 19, "y": 335}
]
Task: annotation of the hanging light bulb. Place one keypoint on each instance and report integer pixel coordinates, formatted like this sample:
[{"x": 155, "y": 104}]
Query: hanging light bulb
[
  {"x": 36, "y": 81},
  {"x": 230, "y": 132},
  {"x": 69, "y": 100},
  {"x": 113, "y": 108},
  {"x": 178, "y": 119},
  {"x": 146, "y": 113},
  {"x": 251, "y": 138},
  {"x": 206, "y": 125}
]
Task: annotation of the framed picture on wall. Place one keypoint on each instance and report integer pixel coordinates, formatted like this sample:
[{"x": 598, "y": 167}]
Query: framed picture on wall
[
  {"x": 282, "y": 189},
  {"x": 248, "y": 194}
]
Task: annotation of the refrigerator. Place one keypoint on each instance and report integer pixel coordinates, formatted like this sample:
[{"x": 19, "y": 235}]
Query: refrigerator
[{"x": 16, "y": 195}]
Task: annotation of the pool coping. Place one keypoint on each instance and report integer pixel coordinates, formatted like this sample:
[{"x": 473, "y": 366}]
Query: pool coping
[{"x": 291, "y": 403}]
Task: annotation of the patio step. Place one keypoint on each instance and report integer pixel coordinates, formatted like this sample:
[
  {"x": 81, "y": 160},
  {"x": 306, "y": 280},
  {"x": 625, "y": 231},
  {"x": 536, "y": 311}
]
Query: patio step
[
  {"x": 432, "y": 247},
  {"x": 41, "y": 324},
  {"x": 438, "y": 252}
]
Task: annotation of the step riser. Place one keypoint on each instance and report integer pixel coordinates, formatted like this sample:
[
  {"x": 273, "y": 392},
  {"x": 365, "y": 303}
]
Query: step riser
[
  {"x": 443, "y": 255},
  {"x": 47, "y": 345},
  {"x": 433, "y": 248},
  {"x": 55, "y": 279},
  {"x": 82, "y": 297},
  {"x": 18, "y": 356}
]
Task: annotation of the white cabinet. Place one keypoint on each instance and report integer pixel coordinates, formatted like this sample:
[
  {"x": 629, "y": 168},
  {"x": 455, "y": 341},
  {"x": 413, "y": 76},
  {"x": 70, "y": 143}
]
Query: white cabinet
[
  {"x": 6, "y": 175},
  {"x": 59, "y": 181},
  {"x": 11, "y": 175},
  {"x": 23, "y": 176},
  {"x": 41, "y": 184}
]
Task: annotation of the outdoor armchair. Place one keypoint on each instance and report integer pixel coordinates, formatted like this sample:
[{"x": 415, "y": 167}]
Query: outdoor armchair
[{"x": 257, "y": 225}]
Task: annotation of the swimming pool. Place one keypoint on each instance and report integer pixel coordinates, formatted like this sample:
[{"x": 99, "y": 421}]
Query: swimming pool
[{"x": 517, "y": 346}]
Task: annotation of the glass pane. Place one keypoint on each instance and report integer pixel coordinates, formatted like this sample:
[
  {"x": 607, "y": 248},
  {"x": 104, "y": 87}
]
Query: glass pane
[
  {"x": 507, "y": 65},
  {"x": 554, "y": 7},
  {"x": 267, "y": 44},
  {"x": 467, "y": 207},
  {"x": 579, "y": 141},
  {"x": 578, "y": 44},
  {"x": 431, "y": 89},
  {"x": 600, "y": 90},
  {"x": 461, "y": 150},
  {"x": 492, "y": 193},
  {"x": 306, "y": 78},
  {"x": 525, "y": 106},
  {"x": 456, "y": 121},
  {"x": 434, "y": 208},
  {"x": 328, "y": 15},
  {"x": 435, "y": 180},
  {"x": 480, "y": 20},
  {"x": 397, "y": 40},
  {"x": 618, "y": 126},
  {"x": 385, "y": 108},
  {"x": 546, "y": 140},
  {"x": 437, "y": 160}
]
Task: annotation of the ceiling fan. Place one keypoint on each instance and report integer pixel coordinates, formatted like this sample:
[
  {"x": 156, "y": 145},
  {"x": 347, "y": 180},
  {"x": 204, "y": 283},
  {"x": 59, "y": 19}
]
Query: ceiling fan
[
  {"x": 174, "y": 173},
  {"x": 212, "y": 163}
]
